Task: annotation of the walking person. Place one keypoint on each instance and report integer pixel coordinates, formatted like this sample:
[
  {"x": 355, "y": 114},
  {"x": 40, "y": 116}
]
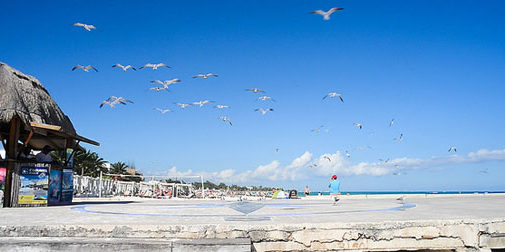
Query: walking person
[
  {"x": 307, "y": 191},
  {"x": 334, "y": 188}
]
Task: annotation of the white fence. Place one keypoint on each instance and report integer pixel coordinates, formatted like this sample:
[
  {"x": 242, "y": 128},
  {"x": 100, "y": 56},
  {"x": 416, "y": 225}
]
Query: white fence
[{"x": 95, "y": 187}]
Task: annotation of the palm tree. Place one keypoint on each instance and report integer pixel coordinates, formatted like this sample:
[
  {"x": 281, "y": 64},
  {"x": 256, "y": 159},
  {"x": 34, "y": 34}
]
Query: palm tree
[
  {"x": 118, "y": 168},
  {"x": 89, "y": 163}
]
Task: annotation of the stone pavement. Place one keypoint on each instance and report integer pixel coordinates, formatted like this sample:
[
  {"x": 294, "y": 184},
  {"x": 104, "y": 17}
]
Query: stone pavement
[{"x": 461, "y": 222}]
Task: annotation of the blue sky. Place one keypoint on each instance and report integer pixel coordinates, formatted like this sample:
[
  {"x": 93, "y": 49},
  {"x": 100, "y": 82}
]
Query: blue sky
[{"x": 435, "y": 67}]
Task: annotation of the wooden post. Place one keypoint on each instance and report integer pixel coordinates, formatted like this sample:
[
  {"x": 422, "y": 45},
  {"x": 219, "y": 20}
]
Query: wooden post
[{"x": 11, "y": 152}]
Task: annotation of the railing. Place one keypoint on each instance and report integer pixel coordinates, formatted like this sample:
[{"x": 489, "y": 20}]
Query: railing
[{"x": 85, "y": 186}]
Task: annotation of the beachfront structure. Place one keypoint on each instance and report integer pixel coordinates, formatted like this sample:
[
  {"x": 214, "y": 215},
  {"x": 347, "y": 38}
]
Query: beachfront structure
[{"x": 28, "y": 114}]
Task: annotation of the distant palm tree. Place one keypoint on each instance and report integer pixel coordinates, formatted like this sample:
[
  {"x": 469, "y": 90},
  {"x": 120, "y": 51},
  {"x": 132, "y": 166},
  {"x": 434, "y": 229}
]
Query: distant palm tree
[
  {"x": 89, "y": 163},
  {"x": 118, "y": 168}
]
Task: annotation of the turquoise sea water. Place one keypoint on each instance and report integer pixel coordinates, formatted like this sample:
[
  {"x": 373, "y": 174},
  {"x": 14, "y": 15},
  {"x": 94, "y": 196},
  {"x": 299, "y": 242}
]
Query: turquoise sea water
[{"x": 301, "y": 194}]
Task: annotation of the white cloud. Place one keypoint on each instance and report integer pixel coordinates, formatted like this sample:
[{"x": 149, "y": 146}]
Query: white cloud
[{"x": 337, "y": 164}]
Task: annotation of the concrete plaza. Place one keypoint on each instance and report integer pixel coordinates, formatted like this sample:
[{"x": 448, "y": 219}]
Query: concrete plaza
[{"x": 442, "y": 222}]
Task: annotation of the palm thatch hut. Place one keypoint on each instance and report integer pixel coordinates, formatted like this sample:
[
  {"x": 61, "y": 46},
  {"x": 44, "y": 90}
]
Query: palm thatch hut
[{"x": 29, "y": 115}]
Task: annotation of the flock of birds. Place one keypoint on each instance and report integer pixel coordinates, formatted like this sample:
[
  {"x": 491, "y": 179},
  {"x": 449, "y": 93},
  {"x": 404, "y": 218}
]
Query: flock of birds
[{"x": 164, "y": 85}]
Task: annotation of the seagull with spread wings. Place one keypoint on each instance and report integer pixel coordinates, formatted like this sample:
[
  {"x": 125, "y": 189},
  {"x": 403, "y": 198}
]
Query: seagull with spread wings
[
  {"x": 317, "y": 129},
  {"x": 167, "y": 82},
  {"x": 264, "y": 98},
  {"x": 85, "y": 68},
  {"x": 85, "y": 26},
  {"x": 264, "y": 111},
  {"x": 163, "y": 111},
  {"x": 125, "y": 67},
  {"x": 154, "y": 66},
  {"x": 391, "y": 122},
  {"x": 204, "y": 76},
  {"x": 157, "y": 89},
  {"x": 363, "y": 147},
  {"x": 255, "y": 90},
  {"x": 183, "y": 105},
  {"x": 201, "y": 103},
  {"x": 399, "y": 139},
  {"x": 226, "y": 119},
  {"x": 452, "y": 149},
  {"x": 326, "y": 14},
  {"x": 327, "y": 158},
  {"x": 113, "y": 100},
  {"x": 384, "y": 161},
  {"x": 359, "y": 125},
  {"x": 333, "y": 95},
  {"x": 222, "y": 106},
  {"x": 347, "y": 154}
]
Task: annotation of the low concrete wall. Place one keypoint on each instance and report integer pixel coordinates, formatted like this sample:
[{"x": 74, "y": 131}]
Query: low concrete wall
[
  {"x": 122, "y": 244},
  {"x": 468, "y": 235}
]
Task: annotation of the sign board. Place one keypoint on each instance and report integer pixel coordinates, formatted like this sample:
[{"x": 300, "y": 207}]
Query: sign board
[
  {"x": 67, "y": 186},
  {"x": 54, "y": 194},
  {"x": 34, "y": 185}
]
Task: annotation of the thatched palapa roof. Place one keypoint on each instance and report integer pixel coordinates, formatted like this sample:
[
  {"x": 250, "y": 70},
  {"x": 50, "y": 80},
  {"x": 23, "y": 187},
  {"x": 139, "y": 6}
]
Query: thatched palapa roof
[{"x": 24, "y": 96}]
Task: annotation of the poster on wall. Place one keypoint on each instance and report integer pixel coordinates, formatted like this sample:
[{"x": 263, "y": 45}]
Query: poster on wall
[
  {"x": 34, "y": 185},
  {"x": 67, "y": 186},
  {"x": 3, "y": 172},
  {"x": 54, "y": 193}
]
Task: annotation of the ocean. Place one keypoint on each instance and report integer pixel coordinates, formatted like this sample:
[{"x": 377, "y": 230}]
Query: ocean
[{"x": 302, "y": 194}]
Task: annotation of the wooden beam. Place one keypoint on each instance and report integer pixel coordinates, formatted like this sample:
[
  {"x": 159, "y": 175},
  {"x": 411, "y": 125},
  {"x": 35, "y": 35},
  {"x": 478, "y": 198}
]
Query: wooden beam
[
  {"x": 28, "y": 138},
  {"x": 12, "y": 144},
  {"x": 45, "y": 126}
]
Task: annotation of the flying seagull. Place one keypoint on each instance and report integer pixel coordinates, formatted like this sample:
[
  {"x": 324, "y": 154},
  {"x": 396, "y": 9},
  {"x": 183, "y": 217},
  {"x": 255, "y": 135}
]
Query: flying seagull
[
  {"x": 201, "y": 103},
  {"x": 399, "y": 138},
  {"x": 124, "y": 67},
  {"x": 277, "y": 150},
  {"x": 255, "y": 90},
  {"x": 85, "y": 26},
  {"x": 158, "y": 88},
  {"x": 328, "y": 158},
  {"x": 222, "y": 106},
  {"x": 391, "y": 122},
  {"x": 317, "y": 129},
  {"x": 85, "y": 68},
  {"x": 154, "y": 66},
  {"x": 264, "y": 98},
  {"x": 359, "y": 125},
  {"x": 264, "y": 111},
  {"x": 183, "y": 105},
  {"x": 452, "y": 149},
  {"x": 226, "y": 119},
  {"x": 167, "y": 82},
  {"x": 347, "y": 154},
  {"x": 113, "y": 100},
  {"x": 326, "y": 14},
  {"x": 363, "y": 147},
  {"x": 205, "y": 76},
  {"x": 333, "y": 95},
  {"x": 163, "y": 111},
  {"x": 384, "y": 161}
]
